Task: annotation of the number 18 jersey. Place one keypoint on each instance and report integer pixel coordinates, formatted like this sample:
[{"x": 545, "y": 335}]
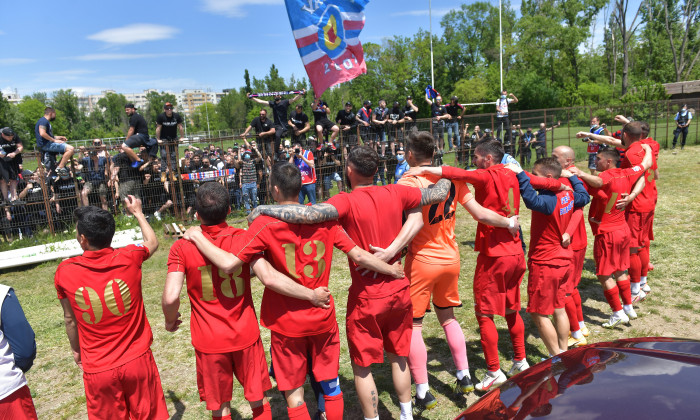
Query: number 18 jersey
[
  {"x": 104, "y": 290},
  {"x": 303, "y": 253},
  {"x": 435, "y": 242},
  {"x": 223, "y": 316}
]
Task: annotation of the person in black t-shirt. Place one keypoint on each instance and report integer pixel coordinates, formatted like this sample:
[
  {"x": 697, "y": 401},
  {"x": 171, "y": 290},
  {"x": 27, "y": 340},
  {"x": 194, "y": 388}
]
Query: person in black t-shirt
[
  {"x": 410, "y": 114},
  {"x": 10, "y": 159},
  {"x": 395, "y": 128},
  {"x": 299, "y": 123},
  {"x": 364, "y": 118},
  {"x": 321, "y": 113},
  {"x": 345, "y": 118},
  {"x": 455, "y": 110},
  {"x": 138, "y": 136},
  {"x": 124, "y": 176},
  {"x": 379, "y": 119},
  {"x": 280, "y": 109},
  {"x": 439, "y": 115},
  {"x": 168, "y": 124},
  {"x": 265, "y": 129},
  {"x": 524, "y": 148}
]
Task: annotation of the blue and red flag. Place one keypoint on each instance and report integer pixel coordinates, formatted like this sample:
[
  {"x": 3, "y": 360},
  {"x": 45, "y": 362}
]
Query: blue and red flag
[{"x": 327, "y": 35}]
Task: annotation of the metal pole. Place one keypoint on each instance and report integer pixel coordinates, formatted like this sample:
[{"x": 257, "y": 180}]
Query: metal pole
[
  {"x": 500, "y": 42},
  {"x": 206, "y": 108},
  {"x": 432, "y": 70}
]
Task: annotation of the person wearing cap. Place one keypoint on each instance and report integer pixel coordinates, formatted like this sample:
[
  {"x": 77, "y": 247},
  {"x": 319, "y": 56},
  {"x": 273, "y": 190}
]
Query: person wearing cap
[
  {"x": 10, "y": 159},
  {"x": 410, "y": 114},
  {"x": 137, "y": 136},
  {"x": 168, "y": 124},
  {"x": 299, "y": 123},
  {"x": 402, "y": 164},
  {"x": 364, "y": 118},
  {"x": 279, "y": 108},
  {"x": 47, "y": 142},
  {"x": 265, "y": 130},
  {"x": 345, "y": 118},
  {"x": 455, "y": 110},
  {"x": 682, "y": 118},
  {"x": 502, "y": 121},
  {"x": 395, "y": 119},
  {"x": 439, "y": 115}
]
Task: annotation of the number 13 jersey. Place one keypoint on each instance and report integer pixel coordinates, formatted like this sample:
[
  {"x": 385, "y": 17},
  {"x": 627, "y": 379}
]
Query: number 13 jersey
[{"x": 104, "y": 290}]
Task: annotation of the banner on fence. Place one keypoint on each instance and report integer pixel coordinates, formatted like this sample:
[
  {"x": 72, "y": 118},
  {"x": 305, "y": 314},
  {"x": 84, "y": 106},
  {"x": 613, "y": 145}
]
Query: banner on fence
[{"x": 208, "y": 175}]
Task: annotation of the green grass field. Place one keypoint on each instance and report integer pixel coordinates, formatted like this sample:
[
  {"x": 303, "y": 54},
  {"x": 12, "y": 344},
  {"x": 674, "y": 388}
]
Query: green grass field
[{"x": 673, "y": 309}]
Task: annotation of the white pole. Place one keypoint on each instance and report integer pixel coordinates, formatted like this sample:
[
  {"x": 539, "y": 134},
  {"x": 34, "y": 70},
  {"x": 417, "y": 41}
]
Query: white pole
[
  {"x": 432, "y": 70},
  {"x": 206, "y": 108},
  {"x": 500, "y": 36}
]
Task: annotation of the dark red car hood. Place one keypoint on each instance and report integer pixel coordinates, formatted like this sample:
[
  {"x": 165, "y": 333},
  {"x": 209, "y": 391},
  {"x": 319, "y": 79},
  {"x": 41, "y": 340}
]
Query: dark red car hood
[{"x": 638, "y": 378}]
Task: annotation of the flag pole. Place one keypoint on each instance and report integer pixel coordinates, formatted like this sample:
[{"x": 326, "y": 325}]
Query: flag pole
[
  {"x": 432, "y": 70},
  {"x": 500, "y": 41}
]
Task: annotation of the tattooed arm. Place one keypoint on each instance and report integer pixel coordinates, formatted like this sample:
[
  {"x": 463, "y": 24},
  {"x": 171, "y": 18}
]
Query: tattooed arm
[
  {"x": 296, "y": 213},
  {"x": 435, "y": 193}
]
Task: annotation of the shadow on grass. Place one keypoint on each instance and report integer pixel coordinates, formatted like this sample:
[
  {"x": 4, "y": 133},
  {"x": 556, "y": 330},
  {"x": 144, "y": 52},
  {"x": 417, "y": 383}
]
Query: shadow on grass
[{"x": 179, "y": 406}]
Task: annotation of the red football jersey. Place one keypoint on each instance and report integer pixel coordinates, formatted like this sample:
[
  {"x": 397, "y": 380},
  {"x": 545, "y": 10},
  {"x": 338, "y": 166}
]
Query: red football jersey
[
  {"x": 373, "y": 216},
  {"x": 495, "y": 188},
  {"x": 104, "y": 290},
  {"x": 646, "y": 200},
  {"x": 616, "y": 182},
  {"x": 547, "y": 229},
  {"x": 223, "y": 316},
  {"x": 304, "y": 253}
]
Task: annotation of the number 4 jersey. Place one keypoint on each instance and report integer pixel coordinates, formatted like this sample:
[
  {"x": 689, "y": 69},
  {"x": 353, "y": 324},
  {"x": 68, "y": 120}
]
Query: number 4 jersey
[
  {"x": 223, "y": 316},
  {"x": 104, "y": 290},
  {"x": 304, "y": 253}
]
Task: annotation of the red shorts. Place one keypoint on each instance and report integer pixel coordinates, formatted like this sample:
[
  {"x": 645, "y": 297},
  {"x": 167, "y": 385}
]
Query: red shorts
[
  {"x": 436, "y": 280},
  {"x": 215, "y": 375},
  {"x": 547, "y": 287},
  {"x": 290, "y": 356},
  {"x": 132, "y": 390},
  {"x": 374, "y": 325},
  {"x": 611, "y": 251},
  {"x": 18, "y": 406},
  {"x": 497, "y": 283},
  {"x": 641, "y": 226},
  {"x": 651, "y": 228},
  {"x": 579, "y": 259}
]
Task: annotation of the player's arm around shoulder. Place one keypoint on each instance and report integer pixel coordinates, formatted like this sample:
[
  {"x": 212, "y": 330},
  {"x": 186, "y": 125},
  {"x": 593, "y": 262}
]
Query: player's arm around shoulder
[
  {"x": 278, "y": 282},
  {"x": 226, "y": 261},
  {"x": 490, "y": 217},
  {"x": 150, "y": 240}
]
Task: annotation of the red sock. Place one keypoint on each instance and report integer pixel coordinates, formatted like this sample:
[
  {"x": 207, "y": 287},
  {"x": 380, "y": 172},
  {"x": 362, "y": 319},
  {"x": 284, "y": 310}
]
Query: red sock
[
  {"x": 262, "y": 413},
  {"x": 489, "y": 342},
  {"x": 625, "y": 291},
  {"x": 516, "y": 328},
  {"x": 635, "y": 270},
  {"x": 644, "y": 258},
  {"x": 570, "y": 308},
  {"x": 227, "y": 417},
  {"x": 334, "y": 407},
  {"x": 576, "y": 296},
  {"x": 613, "y": 298},
  {"x": 299, "y": 412}
]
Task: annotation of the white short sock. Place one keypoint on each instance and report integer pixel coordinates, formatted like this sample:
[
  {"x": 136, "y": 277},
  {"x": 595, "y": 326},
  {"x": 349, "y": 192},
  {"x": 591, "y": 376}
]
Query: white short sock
[
  {"x": 643, "y": 280},
  {"x": 462, "y": 373},
  {"x": 581, "y": 324},
  {"x": 619, "y": 314},
  {"x": 406, "y": 411},
  {"x": 577, "y": 334},
  {"x": 627, "y": 308},
  {"x": 635, "y": 287},
  {"x": 421, "y": 390}
]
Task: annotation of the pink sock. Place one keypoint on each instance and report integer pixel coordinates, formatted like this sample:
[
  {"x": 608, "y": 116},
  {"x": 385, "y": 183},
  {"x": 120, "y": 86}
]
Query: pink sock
[
  {"x": 418, "y": 356},
  {"x": 516, "y": 328},
  {"x": 455, "y": 340}
]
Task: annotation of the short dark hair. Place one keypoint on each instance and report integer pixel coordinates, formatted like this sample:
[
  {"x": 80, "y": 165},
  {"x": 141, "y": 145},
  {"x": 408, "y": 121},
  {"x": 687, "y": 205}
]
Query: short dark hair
[
  {"x": 48, "y": 110},
  {"x": 364, "y": 160},
  {"x": 610, "y": 154},
  {"x": 421, "y": 144},
  {"x": 286, "y": 177},
  {"x": 130, "y": 105},
  {"x": 211, "y": 203},
  {"x": 633, "y": 129},
  {"x": 490, "y": 147},
  {"x": 96, "y": 224},
  {"x": 645, "y": 129},
  {"x": 549, "y": 165}
]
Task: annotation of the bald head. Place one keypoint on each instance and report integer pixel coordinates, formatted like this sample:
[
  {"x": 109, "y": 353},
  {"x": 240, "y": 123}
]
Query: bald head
[{"x": 565, "y": 155}]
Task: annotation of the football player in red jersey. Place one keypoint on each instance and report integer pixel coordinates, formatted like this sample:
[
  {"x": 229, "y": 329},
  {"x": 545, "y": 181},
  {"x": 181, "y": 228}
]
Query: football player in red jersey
[
  {"x": 106, "y": 324},
  {"x": 224, "y": 326},
  {"x": 299, "y": 330},
  {"x": 612, "y": 234}
]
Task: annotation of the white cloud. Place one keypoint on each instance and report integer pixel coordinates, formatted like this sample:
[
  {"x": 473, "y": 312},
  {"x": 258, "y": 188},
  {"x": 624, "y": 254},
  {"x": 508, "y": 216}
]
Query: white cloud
[
  {"x": 124, "y": 56},
  {"x": 133, "y": 34},
  {"x": 64, "y": 74},
  {"x": 425, "y": 12},
  {"x": 234, "y": 8},
  {"x": 15, "y": 61}
]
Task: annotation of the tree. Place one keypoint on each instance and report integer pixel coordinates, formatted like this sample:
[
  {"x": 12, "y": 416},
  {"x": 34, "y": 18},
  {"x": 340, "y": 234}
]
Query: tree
[
  {"x": 231, "y": 109},
  {"x": 154, "y": 106},
  {"x": 114, "y": 115},
  {"x": 30, "y": 110},
  {"x": 687, "y": 29},
  {"x": 626, "y": 32},
  {"x": 68, "y": 114}
]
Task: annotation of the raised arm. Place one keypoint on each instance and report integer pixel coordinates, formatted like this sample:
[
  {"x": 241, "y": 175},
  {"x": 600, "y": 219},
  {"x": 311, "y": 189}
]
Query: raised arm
[
  {"x": 150, "y": 240},
  {"x": 260, "y": 101},
  {"x": 298, "y": 96},
  {"x": 283, "y": 285},
  {"x": 427, "y": 99},
  {"x": 612, "y": 141}
]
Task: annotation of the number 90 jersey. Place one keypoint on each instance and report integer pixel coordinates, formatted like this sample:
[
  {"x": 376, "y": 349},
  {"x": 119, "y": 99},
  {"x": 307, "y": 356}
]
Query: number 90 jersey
[
  {"x": 435, "y": 242},
  {"x": 104, "y": 290},
  {"x": 223, "y": 316},
  {"x": 303, "y": 253}
]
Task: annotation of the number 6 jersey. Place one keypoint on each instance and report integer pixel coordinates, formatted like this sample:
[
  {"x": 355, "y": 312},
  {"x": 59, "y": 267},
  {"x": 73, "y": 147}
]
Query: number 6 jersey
[{"x": 104, "y": 290}]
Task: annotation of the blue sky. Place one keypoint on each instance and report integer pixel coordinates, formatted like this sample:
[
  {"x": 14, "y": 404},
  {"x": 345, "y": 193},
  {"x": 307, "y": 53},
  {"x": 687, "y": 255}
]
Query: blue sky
[{"x": 90, "y": 46}]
